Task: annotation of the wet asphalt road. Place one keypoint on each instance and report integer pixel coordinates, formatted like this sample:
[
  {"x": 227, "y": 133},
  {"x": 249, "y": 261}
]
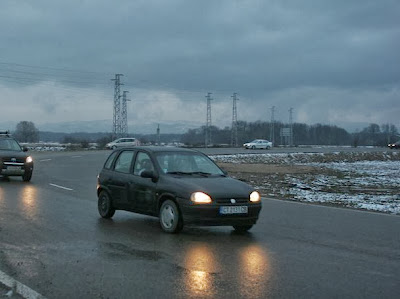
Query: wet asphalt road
[{"x": 52, "y": 240}]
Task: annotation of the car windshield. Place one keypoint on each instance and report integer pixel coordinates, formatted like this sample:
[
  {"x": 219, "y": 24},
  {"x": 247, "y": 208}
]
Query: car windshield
[
  {"x": 9, "y": 145},
  {"x": 187, "y": 163}
]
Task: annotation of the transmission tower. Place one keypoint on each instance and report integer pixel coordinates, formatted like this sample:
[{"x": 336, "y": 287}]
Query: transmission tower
[
  {"x": 272, "y": 129},
  {"x": 158, "y": 135},
  {"x": 117, "y": 106},
  {"x": 208, "y": 124},
  {"x": 234, "y": 133},
  {"x": 124, "y": 114},
  {"x": 291, "y": 126}
]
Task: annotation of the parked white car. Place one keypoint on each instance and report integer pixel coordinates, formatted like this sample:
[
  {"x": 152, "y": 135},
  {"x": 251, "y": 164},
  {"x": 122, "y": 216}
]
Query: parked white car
[
  {"x": 122, "y": 142},
  {"x": 258, "y": 143}
]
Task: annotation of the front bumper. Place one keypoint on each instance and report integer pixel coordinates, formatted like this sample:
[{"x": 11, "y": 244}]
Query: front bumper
[
  {"x": 15, "y": 169},
  {"x": 209, "y": 214}
]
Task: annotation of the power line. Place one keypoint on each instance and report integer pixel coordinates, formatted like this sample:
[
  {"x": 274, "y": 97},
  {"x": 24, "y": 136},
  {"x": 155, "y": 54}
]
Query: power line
[
  {"x": 50, "y": 68},
  {"x": 41, "y": 80}
]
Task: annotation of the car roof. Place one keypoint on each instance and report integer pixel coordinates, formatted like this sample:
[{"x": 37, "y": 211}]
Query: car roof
[
  {"x": 5, "y": 134},
  {"x": 124, "y": 138},
  {"x": 158, "y": 149}
]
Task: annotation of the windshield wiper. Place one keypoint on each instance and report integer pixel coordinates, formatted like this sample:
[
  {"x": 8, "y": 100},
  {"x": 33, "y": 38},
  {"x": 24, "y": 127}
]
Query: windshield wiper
[
  {"x": 206, "y": 174},
  {"x": 201, "y": 173},
  {"x": 179, "y": 172}
]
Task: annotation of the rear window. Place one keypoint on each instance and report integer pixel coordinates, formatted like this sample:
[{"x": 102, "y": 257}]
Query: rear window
[{"x": 109, "y": 161}]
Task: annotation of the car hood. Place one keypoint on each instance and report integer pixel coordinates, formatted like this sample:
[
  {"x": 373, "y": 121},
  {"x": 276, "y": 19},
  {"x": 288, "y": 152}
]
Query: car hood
[
  {"x": 12, "y": 154},
  {"x": 216, "y": 187}
]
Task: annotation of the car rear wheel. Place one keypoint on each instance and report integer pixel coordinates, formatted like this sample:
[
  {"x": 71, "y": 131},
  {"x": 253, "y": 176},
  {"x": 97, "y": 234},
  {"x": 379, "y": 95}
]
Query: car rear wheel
[
  {"x": 104, "y": 205},
  {"x": 170, "y": 217},
  {"x": 27, "y": 176},
  {"x": 242, "y": 228}
]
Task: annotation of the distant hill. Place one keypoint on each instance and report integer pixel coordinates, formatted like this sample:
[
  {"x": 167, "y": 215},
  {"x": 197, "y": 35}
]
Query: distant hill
[{"x": 106, "y": 126}]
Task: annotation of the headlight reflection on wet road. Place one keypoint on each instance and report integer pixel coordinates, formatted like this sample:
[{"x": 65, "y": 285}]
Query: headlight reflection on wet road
[
  {"x": 28, "y": 196},
  {"x": 201, "y": 264},
  {"x": 247, "y": 268},
  {"x": 254, "y": 271}
]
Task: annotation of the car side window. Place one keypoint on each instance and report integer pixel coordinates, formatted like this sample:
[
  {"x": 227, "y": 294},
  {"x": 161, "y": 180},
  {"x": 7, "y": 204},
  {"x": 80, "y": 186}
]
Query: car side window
[
  {"x": 124, "y": 161},
  {"x": 109, "y": 161},
  {"x": 142, "y": 163}
]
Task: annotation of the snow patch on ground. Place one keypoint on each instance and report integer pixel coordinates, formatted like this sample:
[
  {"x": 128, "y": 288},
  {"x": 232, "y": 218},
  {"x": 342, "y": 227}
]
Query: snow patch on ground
[{"x": 369, "y": 181}]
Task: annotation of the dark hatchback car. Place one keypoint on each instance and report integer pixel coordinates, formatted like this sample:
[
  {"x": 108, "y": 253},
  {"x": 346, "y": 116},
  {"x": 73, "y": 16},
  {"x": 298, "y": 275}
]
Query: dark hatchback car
[
  {"x": 14, "y": 161},
  {"x": 180, "y": 186}
]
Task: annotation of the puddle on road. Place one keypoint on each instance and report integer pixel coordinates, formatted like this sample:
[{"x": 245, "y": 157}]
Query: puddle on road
[{"x": 120, "y": 250}]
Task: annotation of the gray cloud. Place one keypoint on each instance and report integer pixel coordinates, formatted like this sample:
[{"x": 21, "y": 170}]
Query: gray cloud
[{"x": 330, "y": 55}]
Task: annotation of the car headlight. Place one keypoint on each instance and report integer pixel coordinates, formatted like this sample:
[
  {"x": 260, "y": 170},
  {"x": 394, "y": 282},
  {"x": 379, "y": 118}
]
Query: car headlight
[
  {"x": 255, "y": 196},
  {"x": 200, "y": 197},
  {"x": 29, "y": 159}
]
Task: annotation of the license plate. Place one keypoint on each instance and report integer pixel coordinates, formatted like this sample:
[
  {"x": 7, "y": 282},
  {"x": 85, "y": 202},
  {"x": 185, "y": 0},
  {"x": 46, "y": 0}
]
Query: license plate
[
  {"x": 13, "y": 168},
  {"x": 233, "y": 210}
]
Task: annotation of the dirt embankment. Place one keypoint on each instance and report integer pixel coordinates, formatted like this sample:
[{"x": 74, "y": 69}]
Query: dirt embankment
[{"x": 259, "y": 168}]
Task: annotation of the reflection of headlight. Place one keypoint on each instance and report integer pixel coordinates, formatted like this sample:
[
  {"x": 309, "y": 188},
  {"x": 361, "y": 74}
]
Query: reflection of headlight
[
  {"x": 255, "y": 196},
  {"x": 29, "y": 159},
  {"x": 200, "y": 197}
]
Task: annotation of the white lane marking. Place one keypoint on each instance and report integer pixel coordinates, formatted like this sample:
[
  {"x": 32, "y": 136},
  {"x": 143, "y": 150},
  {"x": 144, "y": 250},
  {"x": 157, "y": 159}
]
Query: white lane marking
[
  {"x": 76, "y": 157},
  {"x": 18, "y": 287},
  {"x": 61, "y": 187},
  {"x": 45, "y": 160}
]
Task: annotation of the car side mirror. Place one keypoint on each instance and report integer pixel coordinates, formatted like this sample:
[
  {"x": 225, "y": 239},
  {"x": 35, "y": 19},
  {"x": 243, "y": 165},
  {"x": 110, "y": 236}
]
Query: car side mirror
[
  {"x": 24, "y": 149},
  {"x": 149, "y": 174}
]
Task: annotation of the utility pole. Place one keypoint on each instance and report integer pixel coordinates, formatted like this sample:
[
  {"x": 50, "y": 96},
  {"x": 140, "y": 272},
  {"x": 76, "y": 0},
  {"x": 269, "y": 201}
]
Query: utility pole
[
  {"x": 158, "y": 135},
  {"x": 272, "y": 130},
  {"x": 291, "y": 126},
  {"x": 117, "y": 106},
  {"x": 234, "y": 133},
  {"x": 124, "y": 114},
  {"x": 208, "y": 124}
]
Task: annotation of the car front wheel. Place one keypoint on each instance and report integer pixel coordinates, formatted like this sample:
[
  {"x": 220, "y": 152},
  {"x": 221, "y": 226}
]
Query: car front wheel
[
  {"x": 170, "y": 217},
  {"x": 104, "y": 205},
  {"x": 27, "y": 176}
]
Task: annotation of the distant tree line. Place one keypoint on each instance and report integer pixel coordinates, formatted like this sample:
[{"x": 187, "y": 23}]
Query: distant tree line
[{"x": 303, "y": 134}]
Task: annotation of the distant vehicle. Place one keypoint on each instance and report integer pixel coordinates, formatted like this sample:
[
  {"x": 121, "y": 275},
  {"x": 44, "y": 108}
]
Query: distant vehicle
[
  {"x": 14, "y": 161},
  {"x": 258, "y": 144},
  {"x": 122, "y": 142},
  {"x": 394, "y": 145},
  {"x": 180, "y": 186}
]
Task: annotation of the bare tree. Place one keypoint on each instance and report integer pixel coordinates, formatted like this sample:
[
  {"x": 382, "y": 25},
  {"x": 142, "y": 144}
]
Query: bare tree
[{"x": 25, "y": 131}]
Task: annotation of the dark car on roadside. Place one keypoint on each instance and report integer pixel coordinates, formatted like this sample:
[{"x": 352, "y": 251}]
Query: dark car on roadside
[
  {"x": 180, "y": 186},
  {"x": 394, "y": 145},
  {"x": 14, "y": 160}
]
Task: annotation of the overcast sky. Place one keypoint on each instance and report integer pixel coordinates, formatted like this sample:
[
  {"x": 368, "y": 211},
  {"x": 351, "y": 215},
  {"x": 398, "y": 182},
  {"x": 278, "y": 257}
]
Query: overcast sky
[{"x": 333, "y": 62}]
